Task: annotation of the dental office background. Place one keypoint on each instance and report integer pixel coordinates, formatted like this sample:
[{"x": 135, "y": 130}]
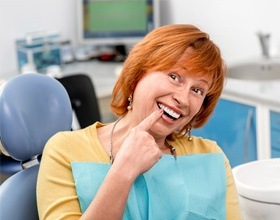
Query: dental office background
[{"x": 232, "y": 24}]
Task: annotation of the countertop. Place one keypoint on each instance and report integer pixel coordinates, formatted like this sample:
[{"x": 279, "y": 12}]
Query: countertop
[
  {"x": 102, "y": 74},
  {"x": 263, "y": 92}
]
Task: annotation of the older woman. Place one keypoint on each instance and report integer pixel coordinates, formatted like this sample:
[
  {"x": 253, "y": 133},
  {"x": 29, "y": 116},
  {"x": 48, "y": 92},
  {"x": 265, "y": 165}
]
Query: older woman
[{"x": 146, "y": 165}]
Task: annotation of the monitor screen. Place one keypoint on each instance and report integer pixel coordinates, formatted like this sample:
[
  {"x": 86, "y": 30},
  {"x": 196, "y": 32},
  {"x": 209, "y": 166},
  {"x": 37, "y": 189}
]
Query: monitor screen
[{"x": 114, "y": 22}]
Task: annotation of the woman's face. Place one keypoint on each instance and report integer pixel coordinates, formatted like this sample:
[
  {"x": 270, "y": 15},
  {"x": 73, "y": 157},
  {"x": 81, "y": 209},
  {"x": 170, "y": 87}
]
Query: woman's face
[{"x": 178, "y": 93}]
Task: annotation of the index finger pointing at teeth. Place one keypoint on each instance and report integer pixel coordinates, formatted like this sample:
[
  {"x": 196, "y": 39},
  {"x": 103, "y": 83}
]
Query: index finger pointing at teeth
[{"x": 148, "y": 122}]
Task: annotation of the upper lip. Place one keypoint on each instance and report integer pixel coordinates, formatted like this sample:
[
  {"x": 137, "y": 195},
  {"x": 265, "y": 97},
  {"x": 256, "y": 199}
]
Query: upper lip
[{"x": 176, "y": 110}]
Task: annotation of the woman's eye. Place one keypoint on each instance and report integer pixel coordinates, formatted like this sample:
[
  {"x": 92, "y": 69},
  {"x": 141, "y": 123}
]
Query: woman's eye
[
  {"x": 198, "y": 91},
  {"x": 175, "y": 77}
]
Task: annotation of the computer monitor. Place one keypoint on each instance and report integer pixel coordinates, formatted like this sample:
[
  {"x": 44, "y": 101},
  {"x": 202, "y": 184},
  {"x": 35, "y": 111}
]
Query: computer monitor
[{"x": 116, "y": 22}]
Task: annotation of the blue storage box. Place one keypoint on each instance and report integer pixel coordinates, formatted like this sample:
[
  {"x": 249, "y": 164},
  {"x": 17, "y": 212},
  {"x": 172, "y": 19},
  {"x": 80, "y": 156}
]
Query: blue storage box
[{"x": 41, "y": 51}]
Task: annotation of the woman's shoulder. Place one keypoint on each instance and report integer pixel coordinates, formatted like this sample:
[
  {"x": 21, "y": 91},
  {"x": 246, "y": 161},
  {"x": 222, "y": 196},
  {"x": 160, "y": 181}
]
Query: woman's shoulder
[
  {"x": 77, "y": 144},
  {"x": 79, "y": 135},
  {"x": 196, "y": 145}
]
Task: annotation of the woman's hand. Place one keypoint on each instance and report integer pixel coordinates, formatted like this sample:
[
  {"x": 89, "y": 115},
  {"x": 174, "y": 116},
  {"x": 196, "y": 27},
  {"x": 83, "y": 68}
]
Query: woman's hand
[
  {"x": 137, "y": 154},
  {"x": 139, "y": 151}
]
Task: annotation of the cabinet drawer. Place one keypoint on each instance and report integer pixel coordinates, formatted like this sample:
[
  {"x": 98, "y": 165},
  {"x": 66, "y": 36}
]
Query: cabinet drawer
[
  {"x": 275, "y": 120},
  {"x": 275, "y": 139},
  {"x": 275, "y": 153}
]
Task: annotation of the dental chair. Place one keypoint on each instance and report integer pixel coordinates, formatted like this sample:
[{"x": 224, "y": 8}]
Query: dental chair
[{"x": 33, "y": 107}]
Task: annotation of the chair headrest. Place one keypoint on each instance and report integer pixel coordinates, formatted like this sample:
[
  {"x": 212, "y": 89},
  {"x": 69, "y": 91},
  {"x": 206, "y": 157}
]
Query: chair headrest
[{"x": 33, "y": 107}]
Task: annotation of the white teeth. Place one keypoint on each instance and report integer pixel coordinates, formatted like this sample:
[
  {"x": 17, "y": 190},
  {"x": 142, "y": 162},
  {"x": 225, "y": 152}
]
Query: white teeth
[{"x": 169, "y": 111}]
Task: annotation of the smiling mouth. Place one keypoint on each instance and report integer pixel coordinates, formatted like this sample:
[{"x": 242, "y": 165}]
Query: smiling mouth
[{"x": 168, "y": 112}]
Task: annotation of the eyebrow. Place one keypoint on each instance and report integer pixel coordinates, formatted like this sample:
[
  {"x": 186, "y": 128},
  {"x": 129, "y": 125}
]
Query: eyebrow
[{"x": 205, "y": 81}]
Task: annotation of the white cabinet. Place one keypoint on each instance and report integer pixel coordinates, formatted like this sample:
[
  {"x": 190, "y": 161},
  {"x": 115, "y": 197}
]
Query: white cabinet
[
  {"x": 233, "y": 127},
  {"x": 246, "y": 130}
]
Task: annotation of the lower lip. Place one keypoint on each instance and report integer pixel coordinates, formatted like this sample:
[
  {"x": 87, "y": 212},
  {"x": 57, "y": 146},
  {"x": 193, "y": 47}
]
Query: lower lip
[{"x": 167, "y": 120}]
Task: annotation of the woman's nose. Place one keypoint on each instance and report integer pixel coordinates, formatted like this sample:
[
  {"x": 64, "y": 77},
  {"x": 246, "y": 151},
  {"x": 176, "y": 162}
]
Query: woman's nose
[{"x": 182, "y": 97}]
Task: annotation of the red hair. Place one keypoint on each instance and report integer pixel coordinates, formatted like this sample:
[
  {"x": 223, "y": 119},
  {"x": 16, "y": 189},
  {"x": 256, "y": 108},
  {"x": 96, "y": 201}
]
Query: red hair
[{"x": 160, "y": 50}]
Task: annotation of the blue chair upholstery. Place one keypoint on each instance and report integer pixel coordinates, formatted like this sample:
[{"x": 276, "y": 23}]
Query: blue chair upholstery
[
  {"x": 33, "y": 107},
  {"x": 8, "y": 166}
]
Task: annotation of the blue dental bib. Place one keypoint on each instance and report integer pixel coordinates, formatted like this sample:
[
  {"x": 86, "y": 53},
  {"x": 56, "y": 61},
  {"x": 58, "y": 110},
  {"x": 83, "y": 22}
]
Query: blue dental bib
[{"x": 192, "y": 187}]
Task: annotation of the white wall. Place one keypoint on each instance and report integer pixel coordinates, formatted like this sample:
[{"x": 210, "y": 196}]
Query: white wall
[
  {"x": 18, "y": 17},
  {"x": 232, "y": 24}
]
